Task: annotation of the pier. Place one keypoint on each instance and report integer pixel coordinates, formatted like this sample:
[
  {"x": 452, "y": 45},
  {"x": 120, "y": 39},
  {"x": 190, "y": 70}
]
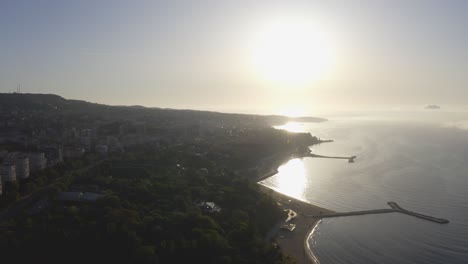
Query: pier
[
  {"x": 354, "y": 213},
  {"x": 325, "y": 141},
  {"x": 395, "y": 208},
  {"x": 350, "y": 159}
]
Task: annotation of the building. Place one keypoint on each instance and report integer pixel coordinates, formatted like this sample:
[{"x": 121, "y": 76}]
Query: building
[
  {"x": 37, "y": 161},
  {"x": 102, "y": 149},
  {"x": 86, "y": 143},
  {"x": 89, "y": 132},
  {"x": 70, "y": 134},
  {"x": 288, "y": 227},
  {"x": 209, "y": 207},
  {"x": 53, "y": 154},
  {"x": 8, "y": 172},
  {"x": 3, "y": 154},
  {"x": 73, "y": 152},
  {"x": 21, "y": 161},
  {"x": 113, "y": 144}
]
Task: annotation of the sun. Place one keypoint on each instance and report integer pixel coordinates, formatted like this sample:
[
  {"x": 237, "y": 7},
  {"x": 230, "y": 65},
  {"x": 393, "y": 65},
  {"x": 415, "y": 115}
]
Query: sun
[{"x": 292, "y": 52}]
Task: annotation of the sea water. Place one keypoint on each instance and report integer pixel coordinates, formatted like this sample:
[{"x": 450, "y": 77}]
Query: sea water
[{"x": 419, "y": 160}]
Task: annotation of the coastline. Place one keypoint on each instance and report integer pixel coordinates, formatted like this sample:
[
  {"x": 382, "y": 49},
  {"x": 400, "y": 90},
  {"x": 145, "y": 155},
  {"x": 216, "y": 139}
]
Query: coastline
[
  {"x": 308, "y": 249},
  {"x": 269, "y": 166},
  {"x": 295, "y": 243}
]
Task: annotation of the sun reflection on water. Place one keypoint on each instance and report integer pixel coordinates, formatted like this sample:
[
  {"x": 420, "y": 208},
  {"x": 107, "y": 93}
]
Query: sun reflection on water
[
  {"x": 292, "y": 127},
  {"x": 291, "y": 179}
]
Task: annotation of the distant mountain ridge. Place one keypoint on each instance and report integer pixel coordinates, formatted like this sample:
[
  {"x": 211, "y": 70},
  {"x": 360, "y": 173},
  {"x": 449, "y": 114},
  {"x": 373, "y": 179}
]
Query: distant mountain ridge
[{"x": 56, "y": 104}]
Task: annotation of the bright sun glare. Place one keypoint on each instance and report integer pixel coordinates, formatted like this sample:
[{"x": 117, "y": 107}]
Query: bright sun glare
[
  {"x": 291, "y": 178},
  {"x": 292, "y": 52}
]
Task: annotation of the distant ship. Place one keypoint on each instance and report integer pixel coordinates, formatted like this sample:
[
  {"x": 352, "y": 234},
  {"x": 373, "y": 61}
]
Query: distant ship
[{"x": 432, "y": 107}]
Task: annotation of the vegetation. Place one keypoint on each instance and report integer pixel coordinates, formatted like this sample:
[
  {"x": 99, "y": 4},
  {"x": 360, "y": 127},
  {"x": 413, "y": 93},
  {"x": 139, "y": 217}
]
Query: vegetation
[
  {"x": 150, "y": 214},
  {"x": 52, "y": 179},
  {"x": 45, "y": 107},
  {"x": 160, "y": 170}
]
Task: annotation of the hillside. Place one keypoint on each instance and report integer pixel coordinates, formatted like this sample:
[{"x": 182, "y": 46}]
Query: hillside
[{"x": 54, "y": 104}]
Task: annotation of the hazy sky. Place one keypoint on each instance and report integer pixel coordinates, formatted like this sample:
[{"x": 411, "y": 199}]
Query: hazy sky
[{"x": 198, "y": 54}]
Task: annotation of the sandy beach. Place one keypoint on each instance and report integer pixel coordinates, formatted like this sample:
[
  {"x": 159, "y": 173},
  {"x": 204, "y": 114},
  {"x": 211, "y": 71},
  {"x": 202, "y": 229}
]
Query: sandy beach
[{"x": 295, "y": 243}]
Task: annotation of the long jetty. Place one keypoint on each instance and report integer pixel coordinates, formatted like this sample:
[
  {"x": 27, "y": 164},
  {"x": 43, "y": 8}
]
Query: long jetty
[
  {"x": 395, "y": 208},
  {"x": 365, "y": 212},
  {"x": 350, "y": 159}
]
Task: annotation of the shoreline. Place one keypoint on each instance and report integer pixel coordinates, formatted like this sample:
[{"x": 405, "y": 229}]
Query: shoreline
[
  {"x": 295, "y": 243},
  {"x": 308, "y": 249},
  {"x": 275, "y": 161},
  {"x": 268, "y": 175}
]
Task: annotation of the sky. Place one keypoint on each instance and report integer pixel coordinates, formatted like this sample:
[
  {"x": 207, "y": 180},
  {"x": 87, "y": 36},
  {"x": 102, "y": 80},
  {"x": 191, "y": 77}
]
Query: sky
[{"x": 214, "y": 55}]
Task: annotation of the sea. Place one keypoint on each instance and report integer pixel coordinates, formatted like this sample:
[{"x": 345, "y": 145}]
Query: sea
[{"x": 418, "y": 159}]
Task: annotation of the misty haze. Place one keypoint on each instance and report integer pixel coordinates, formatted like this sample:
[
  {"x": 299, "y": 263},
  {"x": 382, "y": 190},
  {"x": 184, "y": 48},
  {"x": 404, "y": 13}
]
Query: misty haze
[{"x": 233, "y": 131}]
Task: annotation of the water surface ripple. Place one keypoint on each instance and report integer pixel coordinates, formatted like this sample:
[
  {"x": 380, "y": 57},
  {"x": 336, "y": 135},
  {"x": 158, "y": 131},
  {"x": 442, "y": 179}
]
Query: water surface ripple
[{"x": 421, "y": 165}]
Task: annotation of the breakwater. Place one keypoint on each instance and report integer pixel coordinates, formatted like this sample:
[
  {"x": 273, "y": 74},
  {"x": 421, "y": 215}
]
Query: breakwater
[
  {"x": 395, "y": 208},
  {"x": 350, "y": 158}
]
